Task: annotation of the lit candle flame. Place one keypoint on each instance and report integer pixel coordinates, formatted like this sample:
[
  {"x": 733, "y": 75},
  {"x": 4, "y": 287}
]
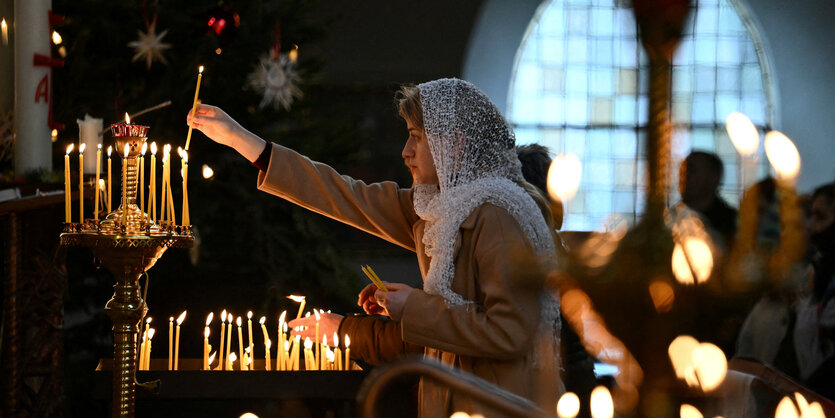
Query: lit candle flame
[
  {"x": 148, "y": 320},
  {"x": 325, "y": 339},
  {"x": 347, "y": 341},
  {"x": 281, "y": 318},
  {"x": 181, "y": 318},
  {"x": 233, "y": 357},
  {"x": 99, "y": 146},
  {"x": 263, "y": 320},
  {"x": 56, "y": 38},
  {"x": 166, "y": 149},
  {"x": 151, "y": 333},
  {"x": 69, "y": 148},
  {"x": 269, "y": 343},
  {"x": 209, "y": 318},
  {"x": 601, "y": 403},
  {"x": 81, "y": 148},
  {"x": 308, "y": 344},
  {"x": 184, "y": 156},
  {"x": 200, "y": 70},
  {"x": 564, "y": 176},
  {"x": 689, "y": 411},
  {"x": 249, "y": 315},
  {"x": 127, "y": 150},
  {"x": 127, "y": 118},
  {"x": 109, "y": 150},
  {"x": 693, "y": 254},
  {"x": 212, "y": 357},
  {"x": 295, "y": 298},
  {"x": 223, "y": 316},
  {"x": 144, "y": 148},
  {"x": 316, "y": 313},
  {"x": 568, "y": 406},
  {"x": 743, "y": 133},
  {"x": 206, "y": 332},
  {"x": 207, "y": 172},
  {"x": 239, "y": 321},
  {"x": 335, "y": 340},
  {"x": 783, "y": 155},
  {"x": 101, "y": 184},
  {"x": 154, "y": 148},
  {"x": 287, "y": 346},
  {"x": 329, "y": 354}
]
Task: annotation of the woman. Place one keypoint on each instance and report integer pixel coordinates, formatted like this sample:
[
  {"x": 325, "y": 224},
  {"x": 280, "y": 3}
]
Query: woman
[{"x": 480, "y": 309}]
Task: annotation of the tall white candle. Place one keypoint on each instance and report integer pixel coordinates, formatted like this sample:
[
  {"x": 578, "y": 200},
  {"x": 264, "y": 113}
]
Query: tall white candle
[{"x": 89, "y": 130}]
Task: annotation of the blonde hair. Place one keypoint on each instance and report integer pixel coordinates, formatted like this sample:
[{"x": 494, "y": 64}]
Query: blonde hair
[{"x": 407, "y": 100}]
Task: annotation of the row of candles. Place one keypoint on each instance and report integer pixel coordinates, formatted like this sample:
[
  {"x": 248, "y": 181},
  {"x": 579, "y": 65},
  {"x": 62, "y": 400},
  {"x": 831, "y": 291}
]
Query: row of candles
[
  {"x": 290, "y": 351},
  {"x": 166, "y": 196}
]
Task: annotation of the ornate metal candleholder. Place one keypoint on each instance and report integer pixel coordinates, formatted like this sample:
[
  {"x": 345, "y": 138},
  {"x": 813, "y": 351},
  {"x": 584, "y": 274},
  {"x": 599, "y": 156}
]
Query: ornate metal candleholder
[{"x": 128, "y": 243}]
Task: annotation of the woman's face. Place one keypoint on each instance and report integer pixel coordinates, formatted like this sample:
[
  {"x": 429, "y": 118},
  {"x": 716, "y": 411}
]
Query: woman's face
[{"x": 418, "y": 158}]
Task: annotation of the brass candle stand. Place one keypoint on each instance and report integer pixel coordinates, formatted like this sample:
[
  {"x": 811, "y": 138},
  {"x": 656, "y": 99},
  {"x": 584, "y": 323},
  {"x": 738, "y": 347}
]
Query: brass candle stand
[{"x": 128, "y": 243}]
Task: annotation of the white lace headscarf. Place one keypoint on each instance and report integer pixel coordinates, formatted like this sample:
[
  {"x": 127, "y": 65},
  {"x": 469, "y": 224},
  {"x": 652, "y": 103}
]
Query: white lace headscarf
[{"x": 473, "y": 148}]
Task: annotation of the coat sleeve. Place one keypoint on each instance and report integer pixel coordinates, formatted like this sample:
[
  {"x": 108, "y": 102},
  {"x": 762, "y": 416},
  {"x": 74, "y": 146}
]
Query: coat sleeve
[
  {"x": 375, "y": 339},
  {"x": 381, "y": 209},
  {"x": 503, "y": 323}
]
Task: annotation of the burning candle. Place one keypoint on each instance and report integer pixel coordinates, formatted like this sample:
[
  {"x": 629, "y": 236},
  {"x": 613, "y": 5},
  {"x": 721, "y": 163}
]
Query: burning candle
[
  {"x": 228, "y": 338},
  {"x": 5, "y": 29},
  {"x": 294, "y": 356},
  {"x": 298, "y": 299},
  {"x": 141, "y": 364},
  {"x": 152, "y": 192},
  {"x": 81, "y": 182},
  {"x": 98, "y": 174},
  {"x": 125, "y": 186},
  {"x": 142, "y": 178},
  {"x": 169, "y": 197},
  {"x": 279, "y": 357},
  {"x": 267, "y": 345},
  {"x": 180, "y": 320},
  {"x": 241, "y": 343},
  {"x": 151, "y": 333},
  {"x": 249, "y": 330},
  {"x": 222, "y": 336},
  {"x": 212, "y": 359},
  {"x": 318, "y": 341},
  {"x": 171, "y": 343},
  {"x": 231, "y": 361},
  {"x": 347, "y": 352},
  {"x": 194, "y": 104},
  {"x": 248, "y": 358},
  {"x": 184, "y": 170},
  {"x": 285, "y": 357},
  {"x": 206, "y": 348},
  {"x": 322, "y": 361},
  {"x": 109, "y": 178},
  {"x": 309, "y": 361},
  {"x": 337, "y": 353},
  {"x": 67, "y": 193}
]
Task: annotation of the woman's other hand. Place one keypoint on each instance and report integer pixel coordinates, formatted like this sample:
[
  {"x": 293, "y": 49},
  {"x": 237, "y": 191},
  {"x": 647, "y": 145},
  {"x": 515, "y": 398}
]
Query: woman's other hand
[
  {"x": 221, "y": 128},
  {"x": 368, "y": 302},
  {"x": 328, "y": 325},
  {"x": 394, "y": 300}
]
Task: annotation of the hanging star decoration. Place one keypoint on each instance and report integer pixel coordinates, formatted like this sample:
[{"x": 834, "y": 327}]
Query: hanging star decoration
[
  {"x": 275, "y": 79},
  {"x": 149, "y": 45}
]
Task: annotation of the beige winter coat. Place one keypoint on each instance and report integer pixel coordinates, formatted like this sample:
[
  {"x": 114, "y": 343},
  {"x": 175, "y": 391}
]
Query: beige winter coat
[{"x": 493, "y": 338}]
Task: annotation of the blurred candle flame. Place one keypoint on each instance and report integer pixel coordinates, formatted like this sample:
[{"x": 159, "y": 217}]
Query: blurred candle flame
[
  {"x": 689, "y": 411},
  {"x": 692, "y": 256},
  {"x": 56, "y": 38},
  {"x": 743, "y": 133},
  {"x": 601, "y": 403},
  {"x": 181, "y": 318},
  {"x": 783, "y": 155},
  {"x": 209, "y": 318},
  {"x": 127, "y": 118},
  {"x": 568, "y": 406},
  {"x": 207, "y": 172},
  {"x": 700, "y": 364},
  {"x": 295, "y": 298},
  {"x": 564, "y": 176}
]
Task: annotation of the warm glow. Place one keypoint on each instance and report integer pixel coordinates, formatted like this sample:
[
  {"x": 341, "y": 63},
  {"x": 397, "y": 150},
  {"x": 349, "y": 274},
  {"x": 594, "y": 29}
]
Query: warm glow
[
  {"x": 151, "y": 333},
  {"x": 681, "y": 355},
  {"x": 238, "y": 321},
  {"x": 212, "y": 357},
  {"x": 782, "y": 154},
  {"x": 166, "y": 149},
  {"x": 693, "y": 256},
  {"x": 109, "y": 150},
  {"x": 269, "y": 343},
  {"x": 568, "y": 405},
  {"x": 206, "y": 332},
  {"x": 209, "y": 318},
  {"x": 248, "y": 415},
  {"x": 223, "y": 316},
  {"x": 295, "y": 298},
  {"x": 287, "y": 346},
  {"x": 281, "y": 318},
  {"x": 69, "y": 148},
  {"x": 689, "y": 411},
  {"x": 460, "y": 414},
  {"x": 233, "y": 357},
  {"x": 148, "y": 320},
  {"x": 56, "y": 38},
  {"x": 711, "y": 365},
  {"x": 601, "y": 403},
  {"x": 347, "y": 341},
  {"x": 308, "y": 344},
  {"x": 263, "y": 320},
  {"x": 154, "y": 148},
  {"x": 564, "y": 176},
  {"x": 325, "y": 339},
  {"x": 335, "y": 340},
  {"x": 786, "y": 409},
  {"x": 184, "y": 156},
  {"x": 218, "y": 51},
  {"x": 200, "y": 70},
  {"x": 249, "y": 315},
  {"x": 101, "y": 184},
  {"x": 55, "y": 135},
  {"x": 127, "y": 118},
  {"x": 208, "y": 172},
  {"x": 144, "y": 148},
  {"x": 315, "y": 312},
  {"x": 127, "y": 150},
  {"x": 81, "y": 148},
  {"x": 293, "y": 54},
  {"x": 743, "y": 133},
  {"x": 181, "y": 318},
  {"x": 662, "y": 295}
]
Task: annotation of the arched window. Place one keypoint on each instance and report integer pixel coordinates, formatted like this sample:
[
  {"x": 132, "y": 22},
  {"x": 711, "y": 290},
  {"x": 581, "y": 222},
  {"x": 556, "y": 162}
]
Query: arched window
[{"x": 580, "y": 86}]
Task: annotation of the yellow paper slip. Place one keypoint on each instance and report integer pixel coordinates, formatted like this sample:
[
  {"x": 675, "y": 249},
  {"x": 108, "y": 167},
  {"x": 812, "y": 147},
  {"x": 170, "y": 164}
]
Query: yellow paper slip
[{"x": 374, "y": 278}]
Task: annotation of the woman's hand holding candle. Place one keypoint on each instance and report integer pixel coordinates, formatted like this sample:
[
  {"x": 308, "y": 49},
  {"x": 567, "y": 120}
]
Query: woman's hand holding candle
[
  {"x": 394, "y": 300},
  {"x": 328, "y": 324},
  {"x": 221, "y": 128}
]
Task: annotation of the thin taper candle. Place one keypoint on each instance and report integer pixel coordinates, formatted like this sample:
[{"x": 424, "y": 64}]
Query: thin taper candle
[
  {"x": 67, "y": 192},
  {"x": 141, "y": 185},
  {"x": 96, "y": 188},
  {"x": 152, "y": 193},
  {"x": 194, "y": 104},
  {"x": 249, "y": 333},
  {"x": 228, "y": 339},
  {"x": 222, "y": 337},
  {"x": 171, "y": 343},
  {"x": 180, "y": 320},
  {"x": 125, "y": 186},
  {"x": 241, "y": 343},
  {"x": 151, "y": 332},
  {"x": 81, "y": 182},
  {"x": 186, "y": 217},
  {"x": 109, "y": 179}
]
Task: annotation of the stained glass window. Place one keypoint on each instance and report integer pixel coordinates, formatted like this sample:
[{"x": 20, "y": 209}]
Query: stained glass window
[{"x": 580, "y": 86}]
